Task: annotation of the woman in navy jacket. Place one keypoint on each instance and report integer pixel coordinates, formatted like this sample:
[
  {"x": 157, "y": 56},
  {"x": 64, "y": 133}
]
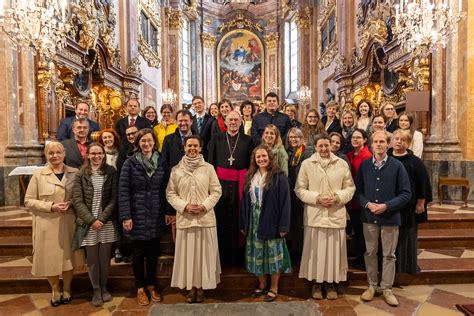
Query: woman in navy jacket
[
  {"x": 265, "y": 221},
  {"x": 142, "y": 189}
]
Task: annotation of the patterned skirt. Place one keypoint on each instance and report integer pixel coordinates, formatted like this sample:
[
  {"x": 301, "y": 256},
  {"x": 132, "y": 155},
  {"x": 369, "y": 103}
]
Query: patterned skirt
[{"x": 265, "y": 256}]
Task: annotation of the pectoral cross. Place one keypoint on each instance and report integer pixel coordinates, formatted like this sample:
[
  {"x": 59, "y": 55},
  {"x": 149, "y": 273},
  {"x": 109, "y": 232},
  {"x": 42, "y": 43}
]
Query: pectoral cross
[{"x": 231, "y": 160}]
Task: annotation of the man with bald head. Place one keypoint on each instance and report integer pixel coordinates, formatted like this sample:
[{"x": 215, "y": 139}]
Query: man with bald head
[
  {"x": 229, "y": 153},
  {"x": 65, "y": 126}
]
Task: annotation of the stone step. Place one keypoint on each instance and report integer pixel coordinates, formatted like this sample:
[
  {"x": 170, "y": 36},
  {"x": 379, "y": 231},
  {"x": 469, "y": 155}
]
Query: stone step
[
  {"x": 448, "y": 221},
  {"x": 433, "y": 271},
  {"x": 15, "y": 228},
  {"x": 445, "y": 238}
]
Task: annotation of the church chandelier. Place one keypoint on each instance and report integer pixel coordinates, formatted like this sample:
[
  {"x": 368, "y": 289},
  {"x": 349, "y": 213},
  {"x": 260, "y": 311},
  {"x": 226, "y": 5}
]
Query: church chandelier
[
  {"x": 422, "y": 25},
  {"x": 37, "y": 24}
]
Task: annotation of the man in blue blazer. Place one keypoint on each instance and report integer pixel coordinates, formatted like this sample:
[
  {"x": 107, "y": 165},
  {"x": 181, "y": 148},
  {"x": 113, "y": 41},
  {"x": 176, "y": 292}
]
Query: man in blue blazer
[
  {"x": 65, "y": 126},
  {"x": 202, "y": 122}
]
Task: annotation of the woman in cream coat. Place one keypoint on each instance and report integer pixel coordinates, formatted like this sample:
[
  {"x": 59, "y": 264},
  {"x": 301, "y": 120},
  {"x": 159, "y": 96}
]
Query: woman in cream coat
[
  {"x": 49, "y": 197},
  {"x": 193, "y": 191},
  {"x": 324, "y": 185}
]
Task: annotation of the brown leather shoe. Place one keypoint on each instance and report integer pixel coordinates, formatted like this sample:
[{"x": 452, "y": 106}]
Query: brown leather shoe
[
  {"x": 142, "y": 298},
  {"x": 200, "y": 296},
  {"x": 191, "y": 297},
  {"x": 155, "y": 295}
]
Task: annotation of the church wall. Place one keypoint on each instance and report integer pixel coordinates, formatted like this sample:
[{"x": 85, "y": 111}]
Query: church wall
[{"x": 466, "y": 111}]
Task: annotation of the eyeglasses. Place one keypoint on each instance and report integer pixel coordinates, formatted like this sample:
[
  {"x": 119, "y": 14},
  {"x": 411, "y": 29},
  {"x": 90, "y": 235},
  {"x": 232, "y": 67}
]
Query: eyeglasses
[
  {"x": 388, "y": 109},
  {"x": 294, "y": 137},
  {"x": 312, "y": 117},
  {"x": 130, "y": 134}
]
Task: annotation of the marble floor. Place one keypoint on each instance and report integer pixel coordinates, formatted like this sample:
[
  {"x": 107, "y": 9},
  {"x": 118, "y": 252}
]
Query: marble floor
[
  {"x": 422, "y": 300},
  {"x": 426, "y": 299}
]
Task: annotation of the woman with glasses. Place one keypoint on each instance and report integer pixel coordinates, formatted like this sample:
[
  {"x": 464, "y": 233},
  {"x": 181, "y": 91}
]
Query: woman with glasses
[
  {"x": 149, "y": 113},
  {"x": 95, "y": 201},
  {"x": 166, "y": 126},
  {"x": 297, "y": 153},
  {"x": 390, "y": 114}
]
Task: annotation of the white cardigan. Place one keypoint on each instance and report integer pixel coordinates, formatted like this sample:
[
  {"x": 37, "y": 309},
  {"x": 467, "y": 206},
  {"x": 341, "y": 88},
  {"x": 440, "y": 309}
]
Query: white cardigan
[{"x": 417, "y": 144}]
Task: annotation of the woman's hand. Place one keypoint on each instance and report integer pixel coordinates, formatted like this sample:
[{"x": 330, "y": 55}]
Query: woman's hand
[
  {"x": 97, "y": 225},
  {"x": 170, "y": 219},
  {"x": 61, "y": 207},
  {"x": 127, "y": 224},
  {"x": 420, "y": 206},
  {"x": 283, "y": 234},
  {"x": 242, "y": 231}
]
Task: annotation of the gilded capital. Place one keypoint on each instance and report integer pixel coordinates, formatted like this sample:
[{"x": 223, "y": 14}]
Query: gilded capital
[
  {"x": 175, "y": 19},
  {"x": 208, "y": 40},
  {"x": 303, "y": 18},
  {"x": 271, "y": 40}
]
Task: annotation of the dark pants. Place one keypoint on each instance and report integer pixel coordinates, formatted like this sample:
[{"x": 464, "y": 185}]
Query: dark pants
[
  {"x": 358, "y": 236},
  {"x": 149, "y": 249}
]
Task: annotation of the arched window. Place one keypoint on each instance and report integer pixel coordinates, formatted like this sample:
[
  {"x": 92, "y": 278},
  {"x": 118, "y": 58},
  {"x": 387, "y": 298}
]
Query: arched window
[
  {"x": 185, "y": 60},
  {"x": 291, "y": 58}
]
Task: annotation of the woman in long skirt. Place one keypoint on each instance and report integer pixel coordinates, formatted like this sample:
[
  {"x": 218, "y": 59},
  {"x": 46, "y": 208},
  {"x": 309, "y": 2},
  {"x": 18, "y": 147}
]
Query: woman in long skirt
[
  {"x": 324, "y": 185},
  {"x": 193, "y": 191},
  {"x": 265, "y": 221}
]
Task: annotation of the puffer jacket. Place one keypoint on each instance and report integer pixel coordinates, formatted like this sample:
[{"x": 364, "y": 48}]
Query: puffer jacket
[
  {"x": 314, "y": 181},
  {"x": 142, "y": 199},
  {"x": 82, "y": 197}
]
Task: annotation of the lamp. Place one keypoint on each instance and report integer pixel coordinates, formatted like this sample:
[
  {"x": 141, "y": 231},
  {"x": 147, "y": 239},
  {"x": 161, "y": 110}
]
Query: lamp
[
  {"x": 420, "y": 25},
  {"x": 304, "y": 96},
  {"x": 169, "y": 96},
  {"x": 40, "y": 24}
]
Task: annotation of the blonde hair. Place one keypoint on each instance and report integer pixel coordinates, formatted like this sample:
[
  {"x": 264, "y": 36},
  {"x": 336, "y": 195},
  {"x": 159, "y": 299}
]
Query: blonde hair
[
  {"x": 276, "y": 131},
  {"x": 51, "y": 145}
]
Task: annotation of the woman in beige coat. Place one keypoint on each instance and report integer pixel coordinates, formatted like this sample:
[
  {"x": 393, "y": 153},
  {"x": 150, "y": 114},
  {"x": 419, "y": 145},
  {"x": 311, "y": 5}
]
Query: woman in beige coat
[
  {"x": 193, "y": 191},
  {"x": 49, "y": 196},
  {"x": 324, "y": 185}
]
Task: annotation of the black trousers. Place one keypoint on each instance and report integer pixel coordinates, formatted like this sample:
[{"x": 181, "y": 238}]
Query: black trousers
[{"x": 145, "y": 261}]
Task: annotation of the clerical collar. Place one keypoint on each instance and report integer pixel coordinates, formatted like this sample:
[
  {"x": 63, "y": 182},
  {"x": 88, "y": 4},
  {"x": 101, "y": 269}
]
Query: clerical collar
[{"x": 232, "y": 136}]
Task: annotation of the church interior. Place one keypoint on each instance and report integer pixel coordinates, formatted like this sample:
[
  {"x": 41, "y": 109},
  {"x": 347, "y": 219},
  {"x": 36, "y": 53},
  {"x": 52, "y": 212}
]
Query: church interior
[{"x": 416, "y": 54}]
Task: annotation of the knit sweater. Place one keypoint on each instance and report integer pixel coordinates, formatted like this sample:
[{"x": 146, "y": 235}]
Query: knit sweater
[{"x": 389, "y": 184}]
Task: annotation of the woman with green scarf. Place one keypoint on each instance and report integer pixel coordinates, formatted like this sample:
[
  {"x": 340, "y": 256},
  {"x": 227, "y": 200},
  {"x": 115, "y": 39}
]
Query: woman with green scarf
[{"x": 142, "y": 207}]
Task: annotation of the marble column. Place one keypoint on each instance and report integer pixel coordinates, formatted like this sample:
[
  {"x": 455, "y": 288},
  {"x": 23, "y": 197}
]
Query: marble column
[
  {"x": 271, "y": 62},
  {"x": 18, "y": 115},
  {"x": 209, "y": 68},
  {"x": 172, "y": 81},
  {"x": 307, "y": 65}
]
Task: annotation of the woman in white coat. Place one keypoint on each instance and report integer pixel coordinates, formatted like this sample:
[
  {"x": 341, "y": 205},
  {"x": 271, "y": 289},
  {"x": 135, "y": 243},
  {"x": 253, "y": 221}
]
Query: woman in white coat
[
  {"x": 324, "y": 185},
  {"x": 193, "y": 191},
  {"x": 49, "y": 197}
]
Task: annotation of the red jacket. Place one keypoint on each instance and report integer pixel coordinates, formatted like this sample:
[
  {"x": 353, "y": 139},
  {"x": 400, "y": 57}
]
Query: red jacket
[{"x": 356, "y": 160}]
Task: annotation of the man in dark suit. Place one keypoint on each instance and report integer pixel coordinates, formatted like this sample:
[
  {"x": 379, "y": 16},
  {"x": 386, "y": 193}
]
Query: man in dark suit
[
  {"x": 76, "y": 147},
  {"x": 330, "y": 121},
  {"x": 202, "y": 122},
  {"x": 132, "y": 119},
  {"x": 173, "y": 145},
  {"x": 65, "y": 126}
]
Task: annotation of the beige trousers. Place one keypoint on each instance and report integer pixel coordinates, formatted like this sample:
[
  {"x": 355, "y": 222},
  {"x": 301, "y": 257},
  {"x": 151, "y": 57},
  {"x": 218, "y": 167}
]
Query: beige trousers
[{"x": 389, "y": 237}]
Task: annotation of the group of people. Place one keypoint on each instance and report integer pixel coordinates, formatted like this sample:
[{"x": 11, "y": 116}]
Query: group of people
[{"x": 249, "y": 187}]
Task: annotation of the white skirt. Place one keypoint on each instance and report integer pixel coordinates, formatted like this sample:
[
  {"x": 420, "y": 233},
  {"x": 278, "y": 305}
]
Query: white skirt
[
  {"x": 196, "y": 259},
  {"x": 324, "y": 255}
]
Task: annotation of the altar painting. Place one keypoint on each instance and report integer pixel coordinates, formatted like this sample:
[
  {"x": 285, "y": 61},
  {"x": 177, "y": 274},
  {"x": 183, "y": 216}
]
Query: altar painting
[{"x": 240, "y": 67}]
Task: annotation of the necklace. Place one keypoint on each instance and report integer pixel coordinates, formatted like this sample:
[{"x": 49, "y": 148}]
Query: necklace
[{"x": 231, "y": 150}]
